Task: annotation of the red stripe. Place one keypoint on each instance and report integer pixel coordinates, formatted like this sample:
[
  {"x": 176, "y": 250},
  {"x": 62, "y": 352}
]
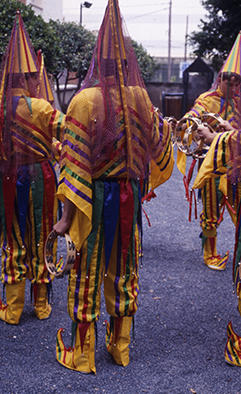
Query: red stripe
[
  {"x": 126, "y": 217},
  {"x": 33, "y": 127},
  {"x": 76, "y": 162},
  {"x": 52, "y": 120},
  {"x": 76, "y": 123},
  {"x": 86, "y": 292},
  {"x": 114, "y": 155},
  {"x": 9, "y": 187}
]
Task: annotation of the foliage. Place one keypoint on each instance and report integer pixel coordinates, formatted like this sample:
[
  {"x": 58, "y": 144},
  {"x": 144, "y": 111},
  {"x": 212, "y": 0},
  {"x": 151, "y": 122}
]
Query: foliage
[
  {"x": 77, "y": 46},
  {"x": 218, "y": 32},
  {"x": 146, "y": 63}
]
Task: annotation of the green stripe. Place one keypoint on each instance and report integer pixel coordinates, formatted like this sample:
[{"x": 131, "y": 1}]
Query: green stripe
[
  {"x": 98, "y": 265},
  {"x": 33, "y": 137},
  {"x": 59, "y": 126},
  {"x": 97, "y": 206},
  {"x": 112, "y": 168},
  {"x": 127, "y": 277},
  {"x": 77, "y": 177},
  {"x": 20, "y": 268},
  {"x": 76, "y": 137}
]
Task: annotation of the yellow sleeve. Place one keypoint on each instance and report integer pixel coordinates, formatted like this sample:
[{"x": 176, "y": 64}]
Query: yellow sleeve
[
  {"x": 162, "y": 167},
  {"x": 217, "y": 159}
]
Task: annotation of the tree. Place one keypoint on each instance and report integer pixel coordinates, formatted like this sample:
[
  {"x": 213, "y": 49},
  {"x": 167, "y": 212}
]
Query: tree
[
  {"x": 146, "y": 62},
  {"x": 77, "y": 46},
  {"x": 219, "y": 32}
]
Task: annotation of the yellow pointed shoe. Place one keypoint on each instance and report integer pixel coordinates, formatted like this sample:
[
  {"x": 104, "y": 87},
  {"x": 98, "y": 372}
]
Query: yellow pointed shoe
[
  {"x": 230, "y": 331},
  {"x": 232, "y": 351},
  {"x": 42, "y": 308},
  {"x": 81, "y": 357},
  {"x": 210, "y": 255},
  {"x": 15, "y": 295},
  {"x": 118, "y": 339},
  {"x": 217, "y": 263}
]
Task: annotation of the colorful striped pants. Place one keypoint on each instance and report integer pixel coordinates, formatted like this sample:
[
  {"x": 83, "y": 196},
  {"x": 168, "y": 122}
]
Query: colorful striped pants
[
  {"x": 213, "y": 203},
  {"x": 110, "y": 255},
  {"x": 28, "y": 212}
]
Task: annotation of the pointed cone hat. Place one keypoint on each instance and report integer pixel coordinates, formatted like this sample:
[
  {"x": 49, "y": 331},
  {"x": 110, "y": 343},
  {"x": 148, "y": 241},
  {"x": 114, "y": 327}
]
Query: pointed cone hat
[
  {"x": 19, "y": 56},
  {"x": 18, "y": 59},
  {"x": 233, "y": 63},
  {"x": 22, "y": 56},
  {"x": 45, "y": 90}
]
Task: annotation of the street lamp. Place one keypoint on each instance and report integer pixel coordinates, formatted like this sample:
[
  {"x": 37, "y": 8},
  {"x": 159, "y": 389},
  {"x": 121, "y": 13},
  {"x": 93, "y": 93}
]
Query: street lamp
[{"x": 86, "y": 4}]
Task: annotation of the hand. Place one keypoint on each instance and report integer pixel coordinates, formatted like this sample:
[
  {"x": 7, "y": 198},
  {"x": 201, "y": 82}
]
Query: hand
[
  {"x": 225, "y": 126},
  {"x": 61, "y": 227},
  {"x": 64, "y": 223},
  {"x": 205, "y": 133}
]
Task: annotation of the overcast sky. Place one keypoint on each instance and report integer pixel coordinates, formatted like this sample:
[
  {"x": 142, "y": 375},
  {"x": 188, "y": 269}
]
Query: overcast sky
[{"x": 146, "y": 20}]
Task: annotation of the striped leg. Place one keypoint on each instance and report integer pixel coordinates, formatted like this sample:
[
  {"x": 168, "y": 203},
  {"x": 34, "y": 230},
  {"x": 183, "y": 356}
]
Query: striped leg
[{"x": 210, "y": 219}]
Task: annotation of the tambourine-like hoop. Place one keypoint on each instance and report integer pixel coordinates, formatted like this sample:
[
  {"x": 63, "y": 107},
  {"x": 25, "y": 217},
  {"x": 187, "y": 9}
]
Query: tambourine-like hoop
[
  {"x": 206, "y": 116},
  {"x": 187, "y": 138},
  {"x": 61, "y": 267}
]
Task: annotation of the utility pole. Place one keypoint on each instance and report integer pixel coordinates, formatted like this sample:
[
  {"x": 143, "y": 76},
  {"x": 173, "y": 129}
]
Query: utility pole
[
  {"x": 169, "y": 41},
  {"x": 185, "y": 50}
]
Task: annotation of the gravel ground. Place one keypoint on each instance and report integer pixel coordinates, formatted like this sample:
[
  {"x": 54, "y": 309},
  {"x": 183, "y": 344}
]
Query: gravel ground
[{"x": 180, "y": 326}]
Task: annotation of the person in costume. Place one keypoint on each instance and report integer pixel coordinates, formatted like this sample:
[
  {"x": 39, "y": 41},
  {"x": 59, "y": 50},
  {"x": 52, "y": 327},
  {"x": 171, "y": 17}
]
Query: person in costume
[
  {"x": 222, "y": 99},
  {"x": 112, "y": 132},
  {"x": 28, "y": 207},
  {"x": 223, "y": 158}
]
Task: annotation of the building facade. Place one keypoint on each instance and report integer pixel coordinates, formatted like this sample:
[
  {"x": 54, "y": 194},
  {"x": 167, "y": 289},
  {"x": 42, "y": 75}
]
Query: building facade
[{"x": 48, "y": 9}]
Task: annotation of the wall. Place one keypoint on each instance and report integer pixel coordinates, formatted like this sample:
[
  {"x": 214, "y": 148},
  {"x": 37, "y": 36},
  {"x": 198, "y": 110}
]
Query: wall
[
  {"x": 48, "y": 9},
  {"x": 173, "y": 105}
]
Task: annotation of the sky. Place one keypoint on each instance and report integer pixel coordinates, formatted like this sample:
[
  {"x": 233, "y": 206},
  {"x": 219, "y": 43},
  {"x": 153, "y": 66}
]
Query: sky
[{"x": 147, "y": 21}]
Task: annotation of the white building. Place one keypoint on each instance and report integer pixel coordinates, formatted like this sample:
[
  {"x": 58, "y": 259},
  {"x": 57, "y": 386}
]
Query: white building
[{"x": 48, "y": 9}]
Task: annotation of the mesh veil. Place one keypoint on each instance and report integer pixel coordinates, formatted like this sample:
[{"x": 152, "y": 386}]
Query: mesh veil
[
  {"x": 115, "y": 71},
  {"x": 19, "y": 61}
]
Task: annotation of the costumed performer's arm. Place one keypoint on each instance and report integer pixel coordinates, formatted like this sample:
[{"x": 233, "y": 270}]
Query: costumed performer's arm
[
  {"x": 162, "y": 166},
  {"x": 49, "y": 118},
  {"x": 219, "y": 155},
  {"x": 204, "y": 103},
  {"x": 63, "y": 224},
  {"x": 75, "y": 182}
]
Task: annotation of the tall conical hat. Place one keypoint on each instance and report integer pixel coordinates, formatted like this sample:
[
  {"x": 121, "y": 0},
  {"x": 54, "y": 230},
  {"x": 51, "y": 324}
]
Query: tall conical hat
[
  {"x": 19, "y": 56},
  {"x": 233, "y": 63},
  {"x": 22, "y": 59},
  {"x": 44, "y": 88},
  {"x": 18, "y": 61}
]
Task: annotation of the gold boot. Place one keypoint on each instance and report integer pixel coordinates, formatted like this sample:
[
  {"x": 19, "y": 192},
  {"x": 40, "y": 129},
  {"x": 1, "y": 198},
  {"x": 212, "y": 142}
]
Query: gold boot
[
  {"x": 210, "y": 256},
  {"x": 15, "y": 294},
  {"x": 42, "y": 308},
  {"x": 81, "y": 357},
  {"x": 118, "y": 339}
]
